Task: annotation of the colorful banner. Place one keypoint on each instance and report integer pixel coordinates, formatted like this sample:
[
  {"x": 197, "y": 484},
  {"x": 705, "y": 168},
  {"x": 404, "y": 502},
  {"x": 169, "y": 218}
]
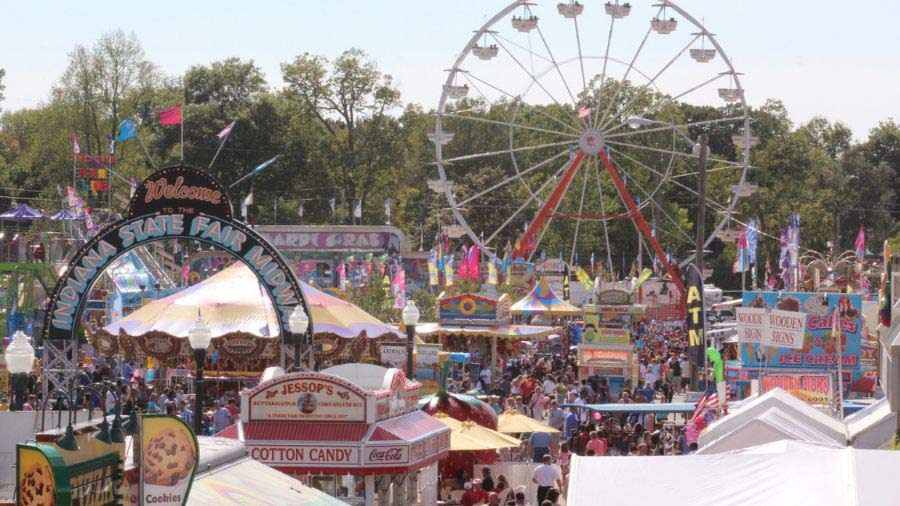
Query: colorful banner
[
  {"x": 810, "y": 388},
  {"x": 169, "y": 456},
  {"x": 696, "y": 317},
  {"x": 616, "y": 336},
  {"x": 819, "y": 350},
  {"x": 521, "y": 277}
]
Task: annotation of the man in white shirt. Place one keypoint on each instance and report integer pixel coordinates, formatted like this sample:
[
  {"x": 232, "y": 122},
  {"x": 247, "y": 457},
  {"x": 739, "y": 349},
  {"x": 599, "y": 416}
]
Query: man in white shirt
[
  {"x": 546, "y": 476},
  {"x": 549, "y": 386}
]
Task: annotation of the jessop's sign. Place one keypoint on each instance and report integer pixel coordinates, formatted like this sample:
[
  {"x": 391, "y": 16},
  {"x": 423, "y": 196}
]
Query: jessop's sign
[
  {"x": 311, "y": 398},
  {"x": 386, "y": 455},
  {"x": 288, "y": 456}
]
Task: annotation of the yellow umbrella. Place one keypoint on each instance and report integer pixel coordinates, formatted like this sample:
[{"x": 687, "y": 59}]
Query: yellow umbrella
[
  {"x": 469, "y": 436},
  {"x": 513, "y": 422}
]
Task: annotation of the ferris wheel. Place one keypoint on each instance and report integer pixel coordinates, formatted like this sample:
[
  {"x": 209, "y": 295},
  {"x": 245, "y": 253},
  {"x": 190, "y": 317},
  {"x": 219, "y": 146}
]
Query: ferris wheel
[{"x": 561, "y": 123}]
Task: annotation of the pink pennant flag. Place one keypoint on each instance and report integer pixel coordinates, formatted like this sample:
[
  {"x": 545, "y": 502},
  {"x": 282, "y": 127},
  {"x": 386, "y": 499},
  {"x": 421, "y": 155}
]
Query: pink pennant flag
[
  {"x": 463, "y": 270},
  {"x": 860, "y": 243},
  {"x": 226, "y": 131},
  {"x": 170, "y": 116},
  {"x": 75, "y": 147},
  {"x": 474, "y": 262}
]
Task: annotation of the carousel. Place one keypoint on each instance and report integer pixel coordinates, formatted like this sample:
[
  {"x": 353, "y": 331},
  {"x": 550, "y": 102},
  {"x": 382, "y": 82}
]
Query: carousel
[{"x": 246, "y": 338}]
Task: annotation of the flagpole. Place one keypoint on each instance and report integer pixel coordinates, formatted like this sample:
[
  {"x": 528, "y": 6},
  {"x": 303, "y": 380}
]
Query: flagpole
[
  {"x": 221, "y": 144},
  {"x": 146, "y": 152},
  {"x": 182, "y": 125}
]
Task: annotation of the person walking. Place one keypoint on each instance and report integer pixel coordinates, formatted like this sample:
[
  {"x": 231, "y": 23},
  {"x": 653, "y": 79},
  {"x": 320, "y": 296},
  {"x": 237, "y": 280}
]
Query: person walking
[{"x": 546, "y": 477}]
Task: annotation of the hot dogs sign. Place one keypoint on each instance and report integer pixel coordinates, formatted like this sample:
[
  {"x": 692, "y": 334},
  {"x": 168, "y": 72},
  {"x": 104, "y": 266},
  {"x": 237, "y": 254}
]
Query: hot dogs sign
[{"x": 306, "y": 397}]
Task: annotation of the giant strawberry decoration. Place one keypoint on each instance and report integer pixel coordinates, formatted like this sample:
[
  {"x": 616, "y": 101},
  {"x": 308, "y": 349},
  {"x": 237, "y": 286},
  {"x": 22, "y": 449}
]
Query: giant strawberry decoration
[{"x": 459, "y": 406}]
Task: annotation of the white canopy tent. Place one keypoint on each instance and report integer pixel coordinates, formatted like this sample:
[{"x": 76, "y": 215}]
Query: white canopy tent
[
  {"x": 872, "y": 427},
  {"x": 775, "y": 412},
  {"x": 772, "y": 425},
  {"x": 777, "y": 473}
]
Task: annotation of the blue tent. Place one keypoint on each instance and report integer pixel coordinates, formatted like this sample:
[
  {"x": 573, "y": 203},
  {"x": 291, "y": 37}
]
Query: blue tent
[
  {"x": 64, "y": 215},
  {"x": 23, "y": 212}
]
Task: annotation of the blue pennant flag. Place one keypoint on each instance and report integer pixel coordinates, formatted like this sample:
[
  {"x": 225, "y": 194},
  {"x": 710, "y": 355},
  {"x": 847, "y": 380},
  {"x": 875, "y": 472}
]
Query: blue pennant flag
[
  {"x": 127, "y": 130},
  {"x": 263, "y": 165}
]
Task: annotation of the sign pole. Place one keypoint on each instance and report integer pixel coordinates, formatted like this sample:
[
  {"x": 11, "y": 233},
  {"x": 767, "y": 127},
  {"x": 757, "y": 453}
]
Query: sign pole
[{"x": 838, "y": 338}]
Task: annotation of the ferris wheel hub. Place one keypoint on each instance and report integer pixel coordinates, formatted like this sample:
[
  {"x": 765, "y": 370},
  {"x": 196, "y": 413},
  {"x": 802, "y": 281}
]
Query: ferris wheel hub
[{"x": 591, "y": 141}]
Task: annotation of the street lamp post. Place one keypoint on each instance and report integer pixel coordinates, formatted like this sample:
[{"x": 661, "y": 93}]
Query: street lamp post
[
  {"x": 299, "y": 323},
  {"x": 410, "y": 319},
  {"x": 199, "y": 336},
  {"x": 19, "y": 360}
]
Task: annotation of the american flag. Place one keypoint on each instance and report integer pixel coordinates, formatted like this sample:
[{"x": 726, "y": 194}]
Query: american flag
[
  {"x": 710, "y": 401},
  {"x": 584, "y": 111}
]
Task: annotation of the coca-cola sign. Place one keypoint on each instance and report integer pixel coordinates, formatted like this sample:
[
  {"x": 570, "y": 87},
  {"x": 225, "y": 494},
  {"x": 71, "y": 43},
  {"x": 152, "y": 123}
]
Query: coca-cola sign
[{"x": 387, "y": 455}]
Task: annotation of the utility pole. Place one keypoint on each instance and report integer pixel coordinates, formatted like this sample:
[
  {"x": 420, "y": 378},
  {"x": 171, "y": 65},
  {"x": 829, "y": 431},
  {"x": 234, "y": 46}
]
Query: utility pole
[
  {"x": 703, "y": 147},
  {"x": 703, "y": 144}
]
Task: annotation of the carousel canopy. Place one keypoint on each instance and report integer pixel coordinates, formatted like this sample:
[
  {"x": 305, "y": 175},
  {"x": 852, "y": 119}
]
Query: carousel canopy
[
  {"x": 515, "y": 332},
  {"x": 542, "y": 301},
  {"x": 234, "y": 301},
  {"x": 23, "y": 212}
]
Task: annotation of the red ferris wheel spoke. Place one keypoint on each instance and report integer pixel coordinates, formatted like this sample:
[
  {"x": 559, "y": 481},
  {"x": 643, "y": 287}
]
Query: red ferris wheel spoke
[
  {"x": 642, "y": 225},
  {"x": 528, "y": 242}
]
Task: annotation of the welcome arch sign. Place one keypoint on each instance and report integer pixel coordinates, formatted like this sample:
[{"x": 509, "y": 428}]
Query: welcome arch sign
[{"x": 176, "y": 202}]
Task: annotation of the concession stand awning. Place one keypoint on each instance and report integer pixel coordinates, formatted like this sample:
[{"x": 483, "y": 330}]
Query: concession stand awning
[{"x": 350, "y": 430}]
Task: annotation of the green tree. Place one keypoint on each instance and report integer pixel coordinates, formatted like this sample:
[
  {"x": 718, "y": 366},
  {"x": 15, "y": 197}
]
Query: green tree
[{"x": 351, "y": 100}]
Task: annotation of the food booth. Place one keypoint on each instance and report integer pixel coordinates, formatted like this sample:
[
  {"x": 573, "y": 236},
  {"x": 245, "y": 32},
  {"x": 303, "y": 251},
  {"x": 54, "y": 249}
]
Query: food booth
[
  {"x": 606, "y": 347},
  {"x": 479, "y": 326},
  {"x": 352, "y": 431}
]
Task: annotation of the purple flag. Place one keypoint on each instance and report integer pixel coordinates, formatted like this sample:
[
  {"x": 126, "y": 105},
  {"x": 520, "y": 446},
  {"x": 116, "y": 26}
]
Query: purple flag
[
  {"x": 225, "y": 132},
  {"x": 75, "y": 147}
]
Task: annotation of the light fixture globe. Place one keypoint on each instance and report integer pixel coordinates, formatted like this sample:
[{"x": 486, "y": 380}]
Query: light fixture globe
[
  {"x": 199, "y": 334},
  {"x": 636, "y": 122},
  {"x": 19, "y": 354},
  {"x": 298, "y": 321},
  {"x": 410, "y": 313}
]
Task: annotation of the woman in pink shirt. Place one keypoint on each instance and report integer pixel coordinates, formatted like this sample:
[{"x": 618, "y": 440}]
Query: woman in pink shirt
[{"x": 597, "y": 444}]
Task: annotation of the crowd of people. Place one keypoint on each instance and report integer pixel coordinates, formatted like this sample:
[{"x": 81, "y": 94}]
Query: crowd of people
[
  {"x": 547, "y": 387},
  {"x": 128, "y": 388}
]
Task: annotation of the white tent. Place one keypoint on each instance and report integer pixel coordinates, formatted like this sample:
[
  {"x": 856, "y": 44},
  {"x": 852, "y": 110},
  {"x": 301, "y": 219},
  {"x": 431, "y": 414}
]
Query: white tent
[
  {"x": 793, "y": 418},
  {"x": 778, "y": 473},
  {"x": 772, "y": 425},
  {"x": 873, "y": 426}
]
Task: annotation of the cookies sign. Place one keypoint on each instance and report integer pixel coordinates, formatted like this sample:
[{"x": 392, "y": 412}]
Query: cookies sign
[
  {"x": 41, "y": 476},
  {"x": 169, "y": 455}
]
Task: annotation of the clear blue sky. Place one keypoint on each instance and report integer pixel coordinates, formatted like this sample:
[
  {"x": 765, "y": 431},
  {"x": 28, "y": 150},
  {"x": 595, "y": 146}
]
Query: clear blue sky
[{"x": 833, "y": 58}]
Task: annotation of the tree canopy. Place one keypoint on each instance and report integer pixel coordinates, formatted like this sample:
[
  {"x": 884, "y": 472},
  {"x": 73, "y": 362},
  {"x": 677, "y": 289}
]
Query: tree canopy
[{"x": 343, "y": 132}]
